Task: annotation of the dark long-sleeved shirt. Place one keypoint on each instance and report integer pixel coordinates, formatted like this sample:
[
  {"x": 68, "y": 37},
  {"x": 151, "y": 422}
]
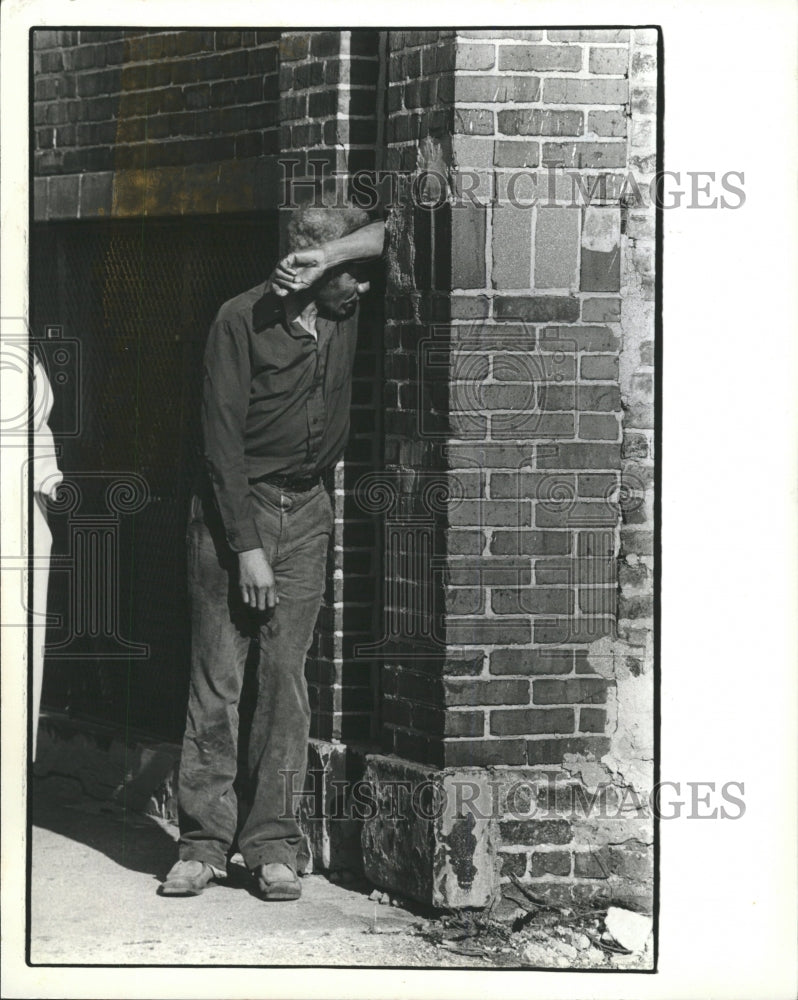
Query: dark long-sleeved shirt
[{"x": 275, "y": 400}]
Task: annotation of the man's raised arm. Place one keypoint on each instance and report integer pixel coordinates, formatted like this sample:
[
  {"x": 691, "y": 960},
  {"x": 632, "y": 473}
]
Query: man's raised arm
[{"x": 299, "y": 270}]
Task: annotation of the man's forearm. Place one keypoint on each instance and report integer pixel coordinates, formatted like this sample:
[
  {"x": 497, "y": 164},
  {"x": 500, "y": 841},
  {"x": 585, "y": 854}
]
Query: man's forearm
[{"x": 365, "y": 243}]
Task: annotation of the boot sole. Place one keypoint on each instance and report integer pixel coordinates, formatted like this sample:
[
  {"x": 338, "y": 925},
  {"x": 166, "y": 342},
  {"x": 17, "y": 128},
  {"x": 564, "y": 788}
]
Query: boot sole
[
  {"x": 180, "y": 889},
  {"x": 280, "y": 891}
]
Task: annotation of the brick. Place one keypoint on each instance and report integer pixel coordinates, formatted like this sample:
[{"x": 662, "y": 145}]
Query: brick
[
  {"x": 524, "y": 722},
  {"x": 325, "y": 43},
  {"x": 644, "y": 100},
  {"x": 589, "y": 35},
  {"x": 418, "y": 746},
  {"x": 607, "y": 123},
  {"x": 574, "y": 691},
  {"x": 465, "y": 601},
  {"x": 565, "y": 91},
  {"x": 592, "y": 720},
  {"x": 475, "y": 56},
  {"x": 485, "y": 632},
  {"x": 579, "y": 513},
  {"x": 597, "y": 484},
  {"x": 644, "y": 63},
  {"x": 532, "y": 36},
  {"x": 534, "y": 121},
  {"x": 62, "y": 197},
  {"x": 465, "y": 542},
  {"x": 584, "y": 155},
  {"x": 540, "y": 57},
  {"x": 483, "y": 753},
  {"x": 488, "y": 512},
  {"x": 531, "y": 661},
  {"x": 598, "y": 601},
  {"x": 512, "y": 246},
  {"x": 322, "y": 103},
  {"x": 293, "y": 46},
  {"x": 530, "y": 543},
  {"x": 419, "y": 687},
  {"x": 96, "y": 195},
  {"x": 611, "y": 61},
  {"x": 395, "y": 712},
  {"x": 469, "y": 307},
  {"x": 633, "y": 577},
  {"x": 600, "y": 271},
  {"x": 464, "y": 724},
  {"x": 599, "y": 366},
  {"x": 578, "y": 338},
  {"x": 513, "y": 864},
  {"x": 496, "y": 456},
  {"x": 518, "y": 426},
  {"x": 579, "y": 456},
  {"x": 537, "y": 309},
  {"x": 534, "y": 832},
  {"x": 463, "y": 666},
  {"x": 531, "y": 485},
  {"x": 635, "y": 607},
  {"x": 487, "y": 692},
  {"x": 468, "y": 238},
  {"x": 496, "y": 89},
  {"x": 583, "y": 569},
  {"x": 512, "y": 396},
  {"x": 553, "y": 751},
  {"x": 542, "y": 368},
  {"x": 557, "y": 236},
  {"x": 549, "y": 863},
  {"x": 602, "y": 398},
  {"x": 601, "y": 310},
  {"x": 531, "y": 600},
  {"x": 590, "y": 864},
  {"x": 599, "y": 428},
  {"x": 473, "y": 121},
  {"x": 472, "y": 152}
]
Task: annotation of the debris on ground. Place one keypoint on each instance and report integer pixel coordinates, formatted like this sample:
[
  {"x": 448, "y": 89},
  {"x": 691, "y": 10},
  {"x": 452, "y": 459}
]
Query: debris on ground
[
  {"x": 631, "y": 930},
  {"x": 546, "y": 936}
]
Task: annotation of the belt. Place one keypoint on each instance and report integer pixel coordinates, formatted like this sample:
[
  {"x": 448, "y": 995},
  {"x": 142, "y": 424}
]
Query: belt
[{"x": 291, "y": 484}]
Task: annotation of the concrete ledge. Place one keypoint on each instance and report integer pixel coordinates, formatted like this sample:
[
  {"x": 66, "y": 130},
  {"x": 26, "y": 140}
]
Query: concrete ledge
[{"x": 421, "y": 842}]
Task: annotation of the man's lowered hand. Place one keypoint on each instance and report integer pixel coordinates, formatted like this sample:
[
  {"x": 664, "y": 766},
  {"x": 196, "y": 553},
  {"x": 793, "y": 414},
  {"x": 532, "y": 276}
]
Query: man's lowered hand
[{"x": 256, "y": 580}]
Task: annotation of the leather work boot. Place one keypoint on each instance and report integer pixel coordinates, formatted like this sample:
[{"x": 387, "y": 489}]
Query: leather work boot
[
  {"x": 278, "y": 882},
  {"x": 187, "y": 878}
]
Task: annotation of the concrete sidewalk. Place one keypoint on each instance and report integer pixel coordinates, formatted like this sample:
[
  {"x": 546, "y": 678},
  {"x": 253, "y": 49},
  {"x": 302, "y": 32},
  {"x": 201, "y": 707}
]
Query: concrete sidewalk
[{"x": 95, "y": 874}]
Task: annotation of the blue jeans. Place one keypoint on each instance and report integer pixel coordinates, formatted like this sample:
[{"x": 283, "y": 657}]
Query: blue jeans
[{"x": 295, "y": 529}]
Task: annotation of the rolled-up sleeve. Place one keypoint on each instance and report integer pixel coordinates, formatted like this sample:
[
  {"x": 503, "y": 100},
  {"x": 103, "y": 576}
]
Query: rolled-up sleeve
[{"x": 225, "y": 400}]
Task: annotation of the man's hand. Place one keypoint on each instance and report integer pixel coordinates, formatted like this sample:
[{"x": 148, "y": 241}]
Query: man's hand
[
  {"x": 298, "y": 270},
  {"x": 256, "y": 580}
]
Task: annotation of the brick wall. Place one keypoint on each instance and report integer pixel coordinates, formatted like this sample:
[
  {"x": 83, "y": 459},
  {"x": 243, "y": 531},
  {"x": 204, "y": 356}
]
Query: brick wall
[
  {"x": 536, "y": 413},
  {"x": 328, "y": 124},
  {"x": 138, "y": 122}
]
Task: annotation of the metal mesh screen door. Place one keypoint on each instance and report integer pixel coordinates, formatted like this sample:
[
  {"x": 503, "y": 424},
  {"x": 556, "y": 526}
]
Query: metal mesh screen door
[{"x": 122, "y": 311}]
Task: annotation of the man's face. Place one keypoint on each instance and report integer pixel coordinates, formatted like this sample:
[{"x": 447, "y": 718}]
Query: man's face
[{"x": 339, "y": 291}]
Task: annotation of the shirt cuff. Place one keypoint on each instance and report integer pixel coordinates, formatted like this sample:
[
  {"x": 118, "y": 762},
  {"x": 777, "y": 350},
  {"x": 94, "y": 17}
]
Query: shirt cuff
[{"x": 243, "y": 536}]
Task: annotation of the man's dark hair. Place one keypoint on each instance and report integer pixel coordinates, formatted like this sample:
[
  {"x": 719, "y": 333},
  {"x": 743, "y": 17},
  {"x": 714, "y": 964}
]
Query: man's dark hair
[{"x": 310, "y": 226}]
